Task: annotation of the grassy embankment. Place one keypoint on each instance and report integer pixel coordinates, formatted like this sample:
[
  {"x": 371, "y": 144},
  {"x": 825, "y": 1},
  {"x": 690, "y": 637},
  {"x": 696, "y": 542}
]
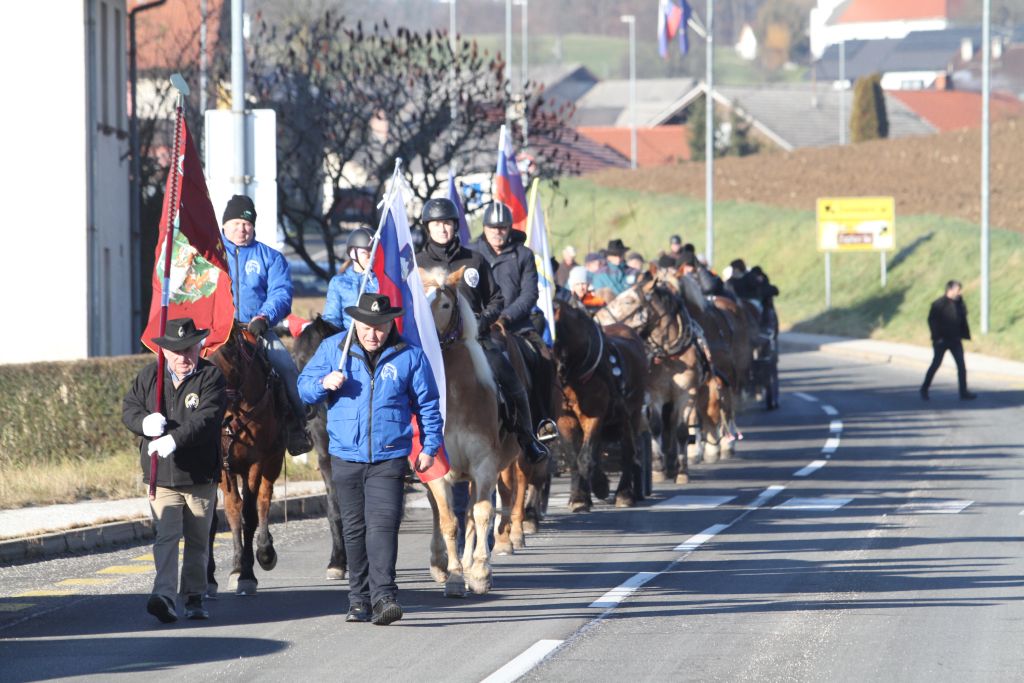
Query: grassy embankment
[{"x": 930, "y": 250}]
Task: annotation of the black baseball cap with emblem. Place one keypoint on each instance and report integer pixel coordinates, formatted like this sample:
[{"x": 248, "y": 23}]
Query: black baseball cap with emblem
[
  {"x": 180, "y": 334},
  {"x": 374, "y": 309}
]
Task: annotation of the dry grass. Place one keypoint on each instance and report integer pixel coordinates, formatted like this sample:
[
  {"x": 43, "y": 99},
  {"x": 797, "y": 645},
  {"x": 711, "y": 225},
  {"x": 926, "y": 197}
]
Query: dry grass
[{"x": 109, "y": 478}]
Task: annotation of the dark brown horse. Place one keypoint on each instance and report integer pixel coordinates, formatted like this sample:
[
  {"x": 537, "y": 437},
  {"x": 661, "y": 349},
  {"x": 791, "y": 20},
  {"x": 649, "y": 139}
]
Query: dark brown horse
[
  {"x": 253, "y": 444},
  {"x": 603, "y": 373},
  {"x": 305, "y": 346}
]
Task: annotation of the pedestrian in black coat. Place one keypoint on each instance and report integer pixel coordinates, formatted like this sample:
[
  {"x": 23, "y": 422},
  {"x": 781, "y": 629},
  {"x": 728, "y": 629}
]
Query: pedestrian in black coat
[{"x": 947, "y": 321}]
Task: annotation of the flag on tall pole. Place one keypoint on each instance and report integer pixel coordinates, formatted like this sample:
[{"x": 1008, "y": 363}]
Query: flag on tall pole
[
  {"x": 508, "y": 184},
  {"x": 453, "y": 194},
  {"x": 398, "y": 278},
  {"x": 537, "y": 241},
  {"x": 672, "y": 22}
]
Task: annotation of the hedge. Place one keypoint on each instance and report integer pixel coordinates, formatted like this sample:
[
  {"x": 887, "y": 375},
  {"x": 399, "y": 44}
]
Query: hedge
[{"x": 53, "y": 412}]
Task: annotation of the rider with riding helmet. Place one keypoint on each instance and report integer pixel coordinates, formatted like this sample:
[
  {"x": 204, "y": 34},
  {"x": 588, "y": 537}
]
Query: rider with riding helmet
[
  {"x": 443, "y": 249},
  {"x": 343, "y": 290},
  {"x": 262, "y": 291}
]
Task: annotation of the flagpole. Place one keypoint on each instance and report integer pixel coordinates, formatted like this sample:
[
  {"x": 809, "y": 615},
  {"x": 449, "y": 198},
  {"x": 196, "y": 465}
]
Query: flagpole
[
  {"x": 388, "y": 198},
  {"x": 165, "y": 285}
]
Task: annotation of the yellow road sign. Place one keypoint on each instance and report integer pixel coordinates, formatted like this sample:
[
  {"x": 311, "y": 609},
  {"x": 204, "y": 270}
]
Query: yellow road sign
[{"x": 856, "y": 224}]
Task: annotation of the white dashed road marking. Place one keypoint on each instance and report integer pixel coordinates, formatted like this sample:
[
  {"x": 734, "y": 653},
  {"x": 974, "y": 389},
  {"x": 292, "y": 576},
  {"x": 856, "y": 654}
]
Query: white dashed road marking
[
  {"x": 766, "y": 495},
  {"x": 810, "y": 469},
  {"x": 934, "y": 507},
  {"x": 697, "y": 540},
  {"x": 813, "y": 504},
  {"x": 831, "y": 445},
  {"x": 835, "y": 426},
  {"x": 623, "y": 590},
  {"x": 693, "y": 502},
  {"x": 806, "y": 397},
  {"x": 524, "y": 662},
  {"x": 829, "y": 410}
]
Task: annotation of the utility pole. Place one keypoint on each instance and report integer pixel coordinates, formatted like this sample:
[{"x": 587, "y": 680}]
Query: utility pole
[
  {"x": 241, "y": 177},
  {"x": 508, "y": 53},
  {"x": 709, "y": 139},
  {"x": 631, "y": 20},
  {"x": 523, "y": 77},
  {"x": 202, "y": 59},
  {"x": 842, "y": 92},
  {"x": 986, "y": 48}
]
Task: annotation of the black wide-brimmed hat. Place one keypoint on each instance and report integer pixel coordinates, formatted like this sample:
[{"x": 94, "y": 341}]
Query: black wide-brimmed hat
[
  {"x": 616, "y": 247},
  {"x": 180, "y": 334},
  {"x": 374, "y": 309}
]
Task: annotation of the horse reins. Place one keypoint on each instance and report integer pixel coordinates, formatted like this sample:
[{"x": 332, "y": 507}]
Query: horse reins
[{"x": 453, "y": 331}]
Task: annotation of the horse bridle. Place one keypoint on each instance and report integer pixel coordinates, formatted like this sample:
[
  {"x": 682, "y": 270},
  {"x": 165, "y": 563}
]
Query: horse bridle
[
  {"x": 453, "y": 331},
  {"x": 234, "y": 408},
  {"x": 654, "y": 317}
]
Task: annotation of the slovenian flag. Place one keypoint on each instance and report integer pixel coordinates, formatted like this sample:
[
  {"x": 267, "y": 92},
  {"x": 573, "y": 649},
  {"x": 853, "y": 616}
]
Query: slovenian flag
[
  {"x": 508, "y": 184},
  {"x": 537, "y": 241},
  {"x": 672, "y": 21},
  {"x": 453, "y": 194},
  {"x": 398, "y": 278}
]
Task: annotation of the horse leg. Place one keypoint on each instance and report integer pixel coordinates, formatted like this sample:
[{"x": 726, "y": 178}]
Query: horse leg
[
  {"x": 337, "y": 564},
  {"x": 506, "y": 492},
  {"x": 247, "y": 582},
  {"x": 444, "y": 557},
  {"x": 659, "y": 466},
  {"x": 211, "y": 562},
  {"x": 579, "y": 498},
  {"x": 521, "y": 477},
  {"x": 626, "y": 492},
  {"x": 478, "y": 579},
  {"x": 233, "y": 511},
  {"x": 469, "y": 539},
  {"x": 265, "y": 553},
  {"x": 536, "y": 502}
]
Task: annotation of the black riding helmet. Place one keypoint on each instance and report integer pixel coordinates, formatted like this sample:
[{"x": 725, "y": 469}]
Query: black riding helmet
[
  {"x": 360, "y": 238},
  {"x": 439, "y": 209},
  {"x": 497, "y": 215}
]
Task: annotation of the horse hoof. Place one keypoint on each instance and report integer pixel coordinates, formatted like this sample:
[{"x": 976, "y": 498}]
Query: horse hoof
[
  {"x": 682, "y": 478},
  {"x": 246, "y": 587},
  {"x": 579, "y": 506},
  {"x": 267, "y": 559},
  {"x": 657, "y": 476},
  {"x": 502, "y": 548},
  {"x": 518, "y": 542},
  {"x": 530, "y": 527},
  {"x": 711, "y": 453},
  {"x": 455, "y": 587},
  {"x": 335, "y": 574},
  {"x": 480, "y": 586},
  {"x": 439, "y": 575},
  {"x": 624, "y": 501}
]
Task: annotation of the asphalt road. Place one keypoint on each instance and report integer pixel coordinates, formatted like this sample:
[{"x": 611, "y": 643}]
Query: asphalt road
[{"x": 858, "y": 534}]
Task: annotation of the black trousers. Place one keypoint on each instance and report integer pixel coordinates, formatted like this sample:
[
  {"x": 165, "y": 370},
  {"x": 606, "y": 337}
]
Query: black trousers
[
  {"x": 370, "y": 498},
  {"x": 956, "y": 349}
]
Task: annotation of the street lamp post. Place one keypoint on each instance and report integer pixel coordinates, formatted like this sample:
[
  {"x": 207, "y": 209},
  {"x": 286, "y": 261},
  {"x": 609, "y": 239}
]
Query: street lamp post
[
  {"x": 631, "y": 20},
  {"x": 986, "y": 46},
  {"x": 709, "y": 140},
  {"x": 508, "y": 50},
  {"x": 524, "y": 4}
]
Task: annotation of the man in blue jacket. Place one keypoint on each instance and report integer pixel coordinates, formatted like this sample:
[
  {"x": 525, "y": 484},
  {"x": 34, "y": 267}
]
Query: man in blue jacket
[
  {"x": 261, "y": 285},
  {"x": 370, "y": 404},
  {"x": 343, "y": 290},
  {"x": 613, "y": 276}
]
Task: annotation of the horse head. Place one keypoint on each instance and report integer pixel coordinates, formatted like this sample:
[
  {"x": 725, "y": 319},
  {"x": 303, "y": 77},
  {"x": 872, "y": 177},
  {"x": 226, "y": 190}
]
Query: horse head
[
  {"x": 631, "y": 306},
  {"x": 309, "y": 340},
  {"x": 453, "y": 316}
]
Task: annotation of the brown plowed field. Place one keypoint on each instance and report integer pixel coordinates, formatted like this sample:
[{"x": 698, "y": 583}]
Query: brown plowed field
[{"x": 938, "y": 174}]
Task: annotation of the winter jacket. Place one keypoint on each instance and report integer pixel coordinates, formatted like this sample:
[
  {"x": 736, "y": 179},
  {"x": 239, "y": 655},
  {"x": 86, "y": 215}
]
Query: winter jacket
[
  {"x": 261, "y": 282},
  {"x": 613, "y": 277},
  {"x": 343, "y": 291},
  {"x": 515, "y": 272},
  {"x": 194, "y": 412},
  {"x": 947, "y": 321},
  {"x": 477, "y": 286},
  {"x": 369, "y": 418}
]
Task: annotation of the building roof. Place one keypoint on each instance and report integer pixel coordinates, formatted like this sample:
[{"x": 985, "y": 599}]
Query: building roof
[
  {"x": 1007, "y": 72},
  {"x": 168, "y": 35},
  {"x": 953, "y": 110},
  {"x": 654, "y": 146},
  {"x": 564, "y": 83},
  {"x": 607, "y": 103},
  {"x": 588, "y": 155},
  {"x": 863, "y": 11},
  {"x": 861, "y": 57}
]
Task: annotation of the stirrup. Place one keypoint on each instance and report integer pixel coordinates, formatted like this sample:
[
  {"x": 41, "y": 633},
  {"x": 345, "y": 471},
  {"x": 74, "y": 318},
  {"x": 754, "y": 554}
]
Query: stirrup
[{"x": 546, "y": 430}]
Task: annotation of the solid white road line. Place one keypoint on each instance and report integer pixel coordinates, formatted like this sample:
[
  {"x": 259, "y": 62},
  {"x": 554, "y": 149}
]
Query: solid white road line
[
  {"x": 519, "y": 666},
  {"x": 829, "y": 410},
  {"x": 831, "y": 445},
  {"x": 692, "y": 502},
  {"x": 623, "y": 590},
  {"x": 806, "y": 397},
  {"x": 835, "y": 426},
  {"x": 766, "y": 495},
  {"x": 813, "y": 504},
  {"x": 934, "y": 507},
  {"x": 810, "y": 469},
  {"x": 697, "y": 540}
]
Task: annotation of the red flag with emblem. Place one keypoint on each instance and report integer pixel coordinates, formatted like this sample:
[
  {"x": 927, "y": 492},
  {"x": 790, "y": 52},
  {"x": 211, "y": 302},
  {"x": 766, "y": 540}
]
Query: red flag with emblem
[{"x": 199, "y": 286}]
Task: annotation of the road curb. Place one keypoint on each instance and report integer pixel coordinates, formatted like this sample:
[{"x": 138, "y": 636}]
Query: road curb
[{"x": 112, "y": 534}]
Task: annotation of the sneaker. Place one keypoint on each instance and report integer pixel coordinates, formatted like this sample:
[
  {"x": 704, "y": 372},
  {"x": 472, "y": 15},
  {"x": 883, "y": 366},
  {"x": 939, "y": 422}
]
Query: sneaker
[
  {"x": 211, "y": 591},
  {"x": 162, "y": 608},
  {"x": 924, "y": 394},
  {"x": 194, "y": 607},
  {"x": 386, "y": 611},
  {"x": 358, "y": 612},
  {"x": 968, "y": 396}
]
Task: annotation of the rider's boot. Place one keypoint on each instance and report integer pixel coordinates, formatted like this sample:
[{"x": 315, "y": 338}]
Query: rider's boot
[
  {"x": 299, "y": 440},
  {"x": 533, "y": 449}
]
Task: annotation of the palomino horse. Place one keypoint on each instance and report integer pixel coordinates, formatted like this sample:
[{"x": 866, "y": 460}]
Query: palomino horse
[
  {"x": 678, "y": 368},
  {"x": 253, "y": 442},
  {"x": 305, "y": 346},
  {"x": 476, "y": 447},
  {"x": 604, "y": 374}
]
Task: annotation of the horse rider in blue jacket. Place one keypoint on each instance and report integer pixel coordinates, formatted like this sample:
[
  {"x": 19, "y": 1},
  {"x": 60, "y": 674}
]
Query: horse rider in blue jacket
[
  {"x": 261, "y": 286},
  {"x": 343, "y": 290},
  {"x": 614, "y": 275},
  {"x": 371, "y": 401}
]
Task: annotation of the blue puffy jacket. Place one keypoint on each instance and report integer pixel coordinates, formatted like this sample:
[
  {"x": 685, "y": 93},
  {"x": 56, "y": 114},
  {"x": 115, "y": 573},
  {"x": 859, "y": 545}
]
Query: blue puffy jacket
[
  {"x": 261, "y": 282},
  {"x": 343, "y": 291},
  {"x": 369, "y": 418}
]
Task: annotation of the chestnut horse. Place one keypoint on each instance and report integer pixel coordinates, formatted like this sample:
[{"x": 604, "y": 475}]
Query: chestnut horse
[
  {"x": 253, "y": 444},
  {"x": 604, "y": 375},
  {"x": 477, "y": 449},
  {"x": 305, "y": 346}
]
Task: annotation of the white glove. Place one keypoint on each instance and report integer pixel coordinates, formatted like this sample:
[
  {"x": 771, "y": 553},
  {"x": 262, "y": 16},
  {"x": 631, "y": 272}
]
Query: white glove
[
  {"x": 163, "y": 446},
  {"x": 154, "y": 424}
]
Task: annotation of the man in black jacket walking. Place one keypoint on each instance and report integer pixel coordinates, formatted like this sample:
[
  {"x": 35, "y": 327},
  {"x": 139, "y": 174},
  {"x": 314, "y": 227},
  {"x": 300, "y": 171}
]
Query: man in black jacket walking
[
  {"x": 947, "y": 321},
  {"x": 186, "y": 437}
]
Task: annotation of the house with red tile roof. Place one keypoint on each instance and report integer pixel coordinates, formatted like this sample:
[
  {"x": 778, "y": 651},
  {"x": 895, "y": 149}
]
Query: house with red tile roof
[
  {"x": 953, "y": 110},
  {"x": 657, "y": 146}
]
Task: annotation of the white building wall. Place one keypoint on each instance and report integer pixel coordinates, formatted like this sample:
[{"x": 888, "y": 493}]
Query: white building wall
[
  {"x": 837, "y": 33},
  {"x": 66, "y": 280}
]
